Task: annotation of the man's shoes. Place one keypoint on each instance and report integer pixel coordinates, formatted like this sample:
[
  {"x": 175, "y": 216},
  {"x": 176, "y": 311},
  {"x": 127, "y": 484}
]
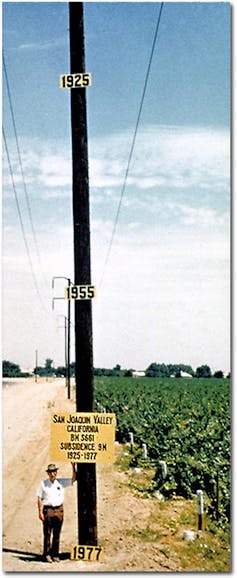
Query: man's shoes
[
  {"x": 48, "y": 559},
  {"x": 56, "y": 559}
]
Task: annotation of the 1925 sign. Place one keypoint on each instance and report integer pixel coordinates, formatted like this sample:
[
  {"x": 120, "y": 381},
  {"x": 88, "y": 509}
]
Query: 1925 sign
[{"x": 79, "y": 80}]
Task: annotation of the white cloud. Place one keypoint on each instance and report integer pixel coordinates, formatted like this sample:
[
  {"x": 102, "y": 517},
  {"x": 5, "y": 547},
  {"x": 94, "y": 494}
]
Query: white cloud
[
  {"x": 165, "y": 292},
  {"x": 164, "y": 297},
  {"x": 179, "y": 160},
  {"x": 167, "y": 301},
  {"x": 173, "y": 157},
  {"x": 201, "y": 217},
  {"x": 46, "y": 45},
  {"x": 55, "y": 171}
]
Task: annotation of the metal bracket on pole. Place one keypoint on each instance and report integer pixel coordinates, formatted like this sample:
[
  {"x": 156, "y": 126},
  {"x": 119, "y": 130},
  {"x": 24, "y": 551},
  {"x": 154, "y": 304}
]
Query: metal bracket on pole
[{"x": 68, "y": 333}]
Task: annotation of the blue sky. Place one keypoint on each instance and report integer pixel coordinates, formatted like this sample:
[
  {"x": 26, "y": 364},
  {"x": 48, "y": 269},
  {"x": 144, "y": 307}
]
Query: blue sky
[{"x": 165, "y": 290}]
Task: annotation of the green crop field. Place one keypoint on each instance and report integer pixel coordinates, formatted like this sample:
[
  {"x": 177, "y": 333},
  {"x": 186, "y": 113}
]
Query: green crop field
[{"x": 184, "y": 422}]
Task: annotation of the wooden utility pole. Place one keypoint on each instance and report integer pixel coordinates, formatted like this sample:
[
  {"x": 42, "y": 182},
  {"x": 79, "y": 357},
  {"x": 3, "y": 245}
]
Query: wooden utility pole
[
  {"x": 36, "y": 363},
  {"x": 86, "y": 487}
]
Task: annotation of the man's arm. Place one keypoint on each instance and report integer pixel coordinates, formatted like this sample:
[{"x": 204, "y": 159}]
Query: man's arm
[
  {"x": 40, "y": 509},
  {"x": 69, "y": 481},
  {"x": 74, "y": 472}
]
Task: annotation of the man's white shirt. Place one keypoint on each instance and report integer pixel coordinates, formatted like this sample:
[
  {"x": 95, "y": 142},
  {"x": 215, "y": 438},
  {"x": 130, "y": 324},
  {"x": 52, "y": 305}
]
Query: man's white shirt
[{"x": 52, "y": 494}]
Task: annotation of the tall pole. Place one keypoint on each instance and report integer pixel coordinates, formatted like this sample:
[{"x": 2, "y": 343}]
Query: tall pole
[
  {"x": 36, "y": 363},
  {"x": 86, "y": 487}
]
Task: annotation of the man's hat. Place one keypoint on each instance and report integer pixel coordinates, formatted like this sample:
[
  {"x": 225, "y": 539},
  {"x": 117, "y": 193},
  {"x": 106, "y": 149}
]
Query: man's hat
[{"x": 51, "y": 468}]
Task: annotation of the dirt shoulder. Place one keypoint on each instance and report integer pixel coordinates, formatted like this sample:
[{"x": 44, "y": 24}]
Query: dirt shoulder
[{"x": 129, "y": 527}]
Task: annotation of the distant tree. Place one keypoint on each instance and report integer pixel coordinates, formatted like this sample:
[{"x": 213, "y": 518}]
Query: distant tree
[
  {"x": 173, "y": 370},
  {"x": 72, "y": 368},
  {"x": 40, "y": 371},
  {"x": 60, "y": 371},
  {"x": 157, "y": 370},
  {"x": 203, "y": 371},
  {"x": 116, "y": 371},
  {"x": 186, "y": 368},
  {"x": 45, "y": 371},
  {"x": 219, "y": 374},
  {"x": 97, "y": 371},
  {"x": 106, "y": 372},
  {"x": 178, "y": 367},
  {"x": 151, "y": 370},
  {"x": 128, "y": 373},
  {"x": 48, "y": 367},
  {"x": 117, "y": 367},
  {"x": 10, "y": 369},
  {"x": 163, "y": 370}
]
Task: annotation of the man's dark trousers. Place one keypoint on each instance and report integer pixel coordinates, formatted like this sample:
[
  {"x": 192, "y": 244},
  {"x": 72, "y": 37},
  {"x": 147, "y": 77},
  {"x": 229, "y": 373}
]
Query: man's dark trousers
[{"x": 52, "y": 524}]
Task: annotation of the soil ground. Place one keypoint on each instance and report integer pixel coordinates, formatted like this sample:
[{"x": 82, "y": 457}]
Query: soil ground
[{"x": 131, "y": 529}]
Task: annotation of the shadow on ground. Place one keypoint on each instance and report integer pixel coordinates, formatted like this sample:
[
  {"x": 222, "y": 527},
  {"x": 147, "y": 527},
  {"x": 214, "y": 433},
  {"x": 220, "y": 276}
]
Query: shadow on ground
[{"x": 32, "y": 556}]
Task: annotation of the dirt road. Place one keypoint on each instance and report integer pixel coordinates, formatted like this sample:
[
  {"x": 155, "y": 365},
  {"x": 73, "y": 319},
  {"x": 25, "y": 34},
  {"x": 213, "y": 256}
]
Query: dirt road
[{"x": 122, "y": 515}]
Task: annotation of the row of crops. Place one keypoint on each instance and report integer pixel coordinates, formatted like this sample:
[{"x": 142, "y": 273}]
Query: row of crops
[{"x": 185, "y": 423}]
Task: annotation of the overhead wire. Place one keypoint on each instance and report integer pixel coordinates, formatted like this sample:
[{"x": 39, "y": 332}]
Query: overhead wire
[
  {"x": 34, "y": 236},
  {"x": 21, "y": 221},
  {"x": 132, "y": 144},
  {"x": 21, "y": 166}
]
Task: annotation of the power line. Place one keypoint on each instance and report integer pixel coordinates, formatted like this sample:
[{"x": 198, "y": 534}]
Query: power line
[
  {"x": 133, "y": 142},
  {"x": 21, "y": 165},
  {"x": 21, "y": 221}
]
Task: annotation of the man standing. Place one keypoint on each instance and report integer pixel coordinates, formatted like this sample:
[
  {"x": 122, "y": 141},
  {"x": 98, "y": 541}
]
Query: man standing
[{"x": 50, "y": 497}]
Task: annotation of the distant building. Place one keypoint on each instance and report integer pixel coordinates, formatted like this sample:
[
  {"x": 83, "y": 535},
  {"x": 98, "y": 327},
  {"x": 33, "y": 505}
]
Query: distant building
[
  {"x": 138, "y": 373},
  {"x": 27, "y": 370},
  {"x": 185, "y": 374}
]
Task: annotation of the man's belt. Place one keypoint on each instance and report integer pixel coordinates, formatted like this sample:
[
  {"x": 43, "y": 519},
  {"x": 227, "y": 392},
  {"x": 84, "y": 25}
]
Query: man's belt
[{"x": 53, "y": 507}]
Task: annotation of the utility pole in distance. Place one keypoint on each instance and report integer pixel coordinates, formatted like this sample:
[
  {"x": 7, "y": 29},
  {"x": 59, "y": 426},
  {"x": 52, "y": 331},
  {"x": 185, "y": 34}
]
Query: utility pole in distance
[
  {"x": 86, "y": 487},
  {"x": 36, "y": 363}
]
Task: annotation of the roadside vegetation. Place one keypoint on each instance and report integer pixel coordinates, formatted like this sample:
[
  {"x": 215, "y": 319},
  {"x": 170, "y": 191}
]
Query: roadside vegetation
[
  {"x": 186, "y": 425},
  {"x": 182, "y": 423},
  {"x": 169, "y": 519}
]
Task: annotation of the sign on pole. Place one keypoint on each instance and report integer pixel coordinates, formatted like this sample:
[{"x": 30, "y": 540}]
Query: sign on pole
[
  {"x": 80, "y": 292},
  {"x": 83, "y": 437}
]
